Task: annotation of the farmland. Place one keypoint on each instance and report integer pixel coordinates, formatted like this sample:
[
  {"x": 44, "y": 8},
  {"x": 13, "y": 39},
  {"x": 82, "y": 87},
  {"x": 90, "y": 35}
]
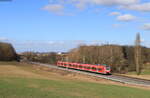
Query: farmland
[{"x": 20, "y": 80}]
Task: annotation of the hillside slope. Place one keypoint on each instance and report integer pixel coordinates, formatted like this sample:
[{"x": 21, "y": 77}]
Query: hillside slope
[{"x": 19, "y": 80}]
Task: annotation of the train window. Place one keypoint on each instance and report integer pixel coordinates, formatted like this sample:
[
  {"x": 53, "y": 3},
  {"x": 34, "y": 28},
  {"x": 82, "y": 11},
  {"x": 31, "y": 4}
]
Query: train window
[
  {"x": 93, "y": 68},
  {"x": 76, "y": 65},
  {"x": 107, "y": 68},
  {"x": 88, "y": 67},
  {"x": 99, "y": 69}
]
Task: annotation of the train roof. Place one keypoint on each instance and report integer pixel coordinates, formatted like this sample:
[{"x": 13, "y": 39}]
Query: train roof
[
  {"x": 101, "y": 64},
  {"x": 85, "y": 64}
]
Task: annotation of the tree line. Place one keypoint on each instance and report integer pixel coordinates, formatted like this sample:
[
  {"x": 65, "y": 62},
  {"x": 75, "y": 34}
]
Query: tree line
[
  {"x": 120, "y": 58},
  {"x": 50, "y": 57}
]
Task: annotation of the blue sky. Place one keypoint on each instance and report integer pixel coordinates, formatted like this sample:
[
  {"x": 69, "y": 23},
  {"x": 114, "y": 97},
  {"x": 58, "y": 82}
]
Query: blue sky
[{"x": 59, "y": 25}]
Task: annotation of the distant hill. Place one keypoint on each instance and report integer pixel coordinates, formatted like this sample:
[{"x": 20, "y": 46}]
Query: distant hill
[{"x": 7, "y": 52}]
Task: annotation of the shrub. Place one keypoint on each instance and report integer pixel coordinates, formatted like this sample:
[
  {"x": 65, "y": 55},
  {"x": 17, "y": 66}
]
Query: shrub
[{"x": 7, "y": 52}]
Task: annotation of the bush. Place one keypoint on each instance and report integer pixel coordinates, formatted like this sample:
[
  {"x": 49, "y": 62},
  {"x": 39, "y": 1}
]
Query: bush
[
  {"x": 50, "y": 58},
  {"x": 7, "y": 52}
]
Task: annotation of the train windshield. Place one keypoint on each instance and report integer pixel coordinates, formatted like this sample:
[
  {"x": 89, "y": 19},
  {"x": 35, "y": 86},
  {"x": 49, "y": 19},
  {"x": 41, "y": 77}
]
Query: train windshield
[{"x": 107, "y": 68}]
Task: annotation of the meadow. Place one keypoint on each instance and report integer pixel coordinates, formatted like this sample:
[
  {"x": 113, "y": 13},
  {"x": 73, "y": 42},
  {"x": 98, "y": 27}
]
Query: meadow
[{"x": 19, "y": 80}]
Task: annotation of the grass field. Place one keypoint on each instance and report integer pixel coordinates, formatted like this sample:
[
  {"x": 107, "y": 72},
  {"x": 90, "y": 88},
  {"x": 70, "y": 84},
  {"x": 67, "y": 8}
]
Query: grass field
[
  {"x": 145, "y": 73},
  {"x": 25, "y": 81}
]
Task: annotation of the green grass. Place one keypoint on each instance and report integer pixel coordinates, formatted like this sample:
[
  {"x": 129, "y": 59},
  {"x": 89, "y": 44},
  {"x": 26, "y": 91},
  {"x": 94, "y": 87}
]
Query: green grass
[
  {"x": 27, "y": 87},
  {"x": 40, "y": 88},
  {"x": 146, "y": 72},
  {"x": 143, "y": 72}
]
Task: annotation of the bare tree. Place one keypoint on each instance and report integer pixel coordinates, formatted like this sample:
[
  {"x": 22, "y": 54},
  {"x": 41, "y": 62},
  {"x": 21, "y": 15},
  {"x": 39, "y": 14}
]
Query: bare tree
[{"x": 138, "y": 54}]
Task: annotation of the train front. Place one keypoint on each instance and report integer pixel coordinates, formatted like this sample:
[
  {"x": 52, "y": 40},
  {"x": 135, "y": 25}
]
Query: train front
[{"x": 107, "y": 69}]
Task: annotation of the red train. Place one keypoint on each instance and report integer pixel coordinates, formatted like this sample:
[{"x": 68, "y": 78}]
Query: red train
[{"x": 103, "y": 69}]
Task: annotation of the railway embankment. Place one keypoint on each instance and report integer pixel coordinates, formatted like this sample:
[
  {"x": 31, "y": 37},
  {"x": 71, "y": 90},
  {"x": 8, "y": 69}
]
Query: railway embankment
[
  {"x": 22, "y": 80},
  {"x": 116, "y": 78}
]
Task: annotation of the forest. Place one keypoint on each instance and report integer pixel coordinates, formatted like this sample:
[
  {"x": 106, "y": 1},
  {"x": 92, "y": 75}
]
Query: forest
[{"x": 120, "y": 58}]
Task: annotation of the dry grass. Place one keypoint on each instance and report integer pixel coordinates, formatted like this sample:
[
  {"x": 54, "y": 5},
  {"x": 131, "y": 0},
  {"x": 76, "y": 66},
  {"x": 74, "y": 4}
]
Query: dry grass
[
  {"x": 138, "y": 76},
  {"x": 76, "y": 76},
  {"x": 21, "y": 80},
  {"x": 38, "y": 72}
]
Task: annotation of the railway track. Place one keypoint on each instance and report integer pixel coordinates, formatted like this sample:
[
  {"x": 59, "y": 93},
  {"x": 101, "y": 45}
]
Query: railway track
[{"x": 117, "y": 78}]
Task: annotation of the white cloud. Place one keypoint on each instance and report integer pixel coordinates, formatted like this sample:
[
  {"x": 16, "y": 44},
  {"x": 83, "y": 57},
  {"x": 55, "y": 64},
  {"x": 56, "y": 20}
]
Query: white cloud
[
  {"x": 116, "y": 25},
  {"x": 105, "y": 2},
  {"x": 51, "y": 42},
  {"x": 55, "y": 8},
  {"x": 126, "y": 17},
  {"x": 146, "y": 26},
  {"x": 114, "y": 13},
  {"x": 51, "y": 46},
  {"x": 145, "y": 7},
  {"x": 58, "y": 6},
  {"x": 113, "y": 2},
  {"x": 3, "y": 39},
  {"x": 47, "y": 46}
]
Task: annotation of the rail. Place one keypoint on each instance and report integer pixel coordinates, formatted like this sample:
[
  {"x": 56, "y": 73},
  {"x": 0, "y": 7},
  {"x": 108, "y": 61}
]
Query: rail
[{"x": 117, "y": 78}]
